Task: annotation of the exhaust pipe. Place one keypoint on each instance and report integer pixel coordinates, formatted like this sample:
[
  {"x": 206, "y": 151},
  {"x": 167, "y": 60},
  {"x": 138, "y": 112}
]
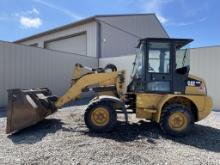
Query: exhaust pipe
[{"x": 27, "y": 107}]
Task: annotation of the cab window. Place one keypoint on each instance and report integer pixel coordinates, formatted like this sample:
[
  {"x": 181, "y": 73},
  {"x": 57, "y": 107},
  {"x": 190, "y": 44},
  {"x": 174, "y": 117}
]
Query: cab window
[{"x": 159, "y": 57}]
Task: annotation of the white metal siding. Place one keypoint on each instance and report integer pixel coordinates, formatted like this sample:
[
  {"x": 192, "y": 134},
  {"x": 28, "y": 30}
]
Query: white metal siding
[
  {"x": 30, "y": 67},
  {"x": 89, "y": 28},
  {"x": 122, "y": 63},
  {"x": 76, "y": 44},
  {"x": 204, "y": 62}
]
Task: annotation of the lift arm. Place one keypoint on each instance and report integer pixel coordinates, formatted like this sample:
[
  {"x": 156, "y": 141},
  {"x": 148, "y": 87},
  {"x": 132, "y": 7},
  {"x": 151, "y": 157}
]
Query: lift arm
[
  {"x": 96, "y": 77},
  {"x": 26, "y": 107}
]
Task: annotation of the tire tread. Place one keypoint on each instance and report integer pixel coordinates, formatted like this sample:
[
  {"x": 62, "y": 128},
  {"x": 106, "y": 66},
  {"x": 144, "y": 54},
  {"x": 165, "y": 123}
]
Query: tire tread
[{"x": 169, "y": 109}]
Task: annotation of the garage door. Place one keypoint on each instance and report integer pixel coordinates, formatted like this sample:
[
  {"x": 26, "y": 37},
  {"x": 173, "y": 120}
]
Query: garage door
[{"x": 75, "y": 44}]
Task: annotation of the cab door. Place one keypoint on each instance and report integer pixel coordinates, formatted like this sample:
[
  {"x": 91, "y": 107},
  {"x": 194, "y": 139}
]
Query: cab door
[{"x": 158, "y": 67}]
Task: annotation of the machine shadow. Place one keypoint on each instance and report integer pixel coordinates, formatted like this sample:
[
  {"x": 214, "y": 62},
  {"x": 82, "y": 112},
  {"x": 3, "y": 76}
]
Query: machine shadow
[
  {"x": 36, "y": 132},
  {"x": 203, "y": 137}
]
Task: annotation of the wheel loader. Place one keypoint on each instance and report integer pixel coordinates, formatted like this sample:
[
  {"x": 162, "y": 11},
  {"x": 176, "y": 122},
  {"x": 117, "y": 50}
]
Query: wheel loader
[{"x": 160, "y": 90}]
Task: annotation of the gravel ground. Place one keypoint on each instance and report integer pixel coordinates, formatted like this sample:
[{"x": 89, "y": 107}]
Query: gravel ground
[{"x": 63, "y": 139}]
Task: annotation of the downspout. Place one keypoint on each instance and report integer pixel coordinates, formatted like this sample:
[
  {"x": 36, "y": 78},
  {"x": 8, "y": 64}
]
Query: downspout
[{"x": 98, "y": 40}]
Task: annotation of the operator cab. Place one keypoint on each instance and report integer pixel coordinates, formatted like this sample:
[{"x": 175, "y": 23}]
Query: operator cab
[{"x": 161, "y": 66}]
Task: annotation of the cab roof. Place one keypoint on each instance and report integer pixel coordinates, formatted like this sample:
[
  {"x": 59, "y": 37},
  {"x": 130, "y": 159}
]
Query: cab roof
[{"x": 180, "y": 42}]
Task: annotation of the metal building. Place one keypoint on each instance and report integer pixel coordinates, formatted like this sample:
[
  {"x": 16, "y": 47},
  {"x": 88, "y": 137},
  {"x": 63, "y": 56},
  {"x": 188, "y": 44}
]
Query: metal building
[
  {"x": 100, "y": 36},
  {"x": 23, "y": 65},
  {"x": 204, "y": 63}
]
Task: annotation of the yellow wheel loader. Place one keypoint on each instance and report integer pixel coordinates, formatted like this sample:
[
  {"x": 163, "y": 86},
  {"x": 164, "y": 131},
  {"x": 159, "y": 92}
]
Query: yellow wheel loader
[{"x": 160, "y": 90}]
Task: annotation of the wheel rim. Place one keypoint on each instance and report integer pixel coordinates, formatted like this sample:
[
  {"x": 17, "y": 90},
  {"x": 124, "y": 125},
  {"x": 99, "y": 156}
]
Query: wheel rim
[
  {"x": 177, "y": 121},
  {"x": 100, "y": 116}
]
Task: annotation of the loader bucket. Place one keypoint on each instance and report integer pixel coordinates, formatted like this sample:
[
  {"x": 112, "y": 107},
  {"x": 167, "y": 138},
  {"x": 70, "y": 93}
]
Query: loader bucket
[{"x": 26, "y": 107}]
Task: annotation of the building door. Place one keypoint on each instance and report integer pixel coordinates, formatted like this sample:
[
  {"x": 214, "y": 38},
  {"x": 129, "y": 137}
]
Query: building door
[{"x": 76, "y": 44}]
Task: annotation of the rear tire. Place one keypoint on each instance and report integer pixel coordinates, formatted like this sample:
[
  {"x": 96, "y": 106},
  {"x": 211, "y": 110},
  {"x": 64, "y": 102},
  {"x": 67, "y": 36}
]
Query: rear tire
[
  {"x": 100, "y": 117},
  {"x": 176, "y": 120}
]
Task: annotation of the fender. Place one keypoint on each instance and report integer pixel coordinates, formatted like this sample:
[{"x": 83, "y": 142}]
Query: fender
[
  {"x": 112, "y": 99},
  {"x": 200, "y": 101}
]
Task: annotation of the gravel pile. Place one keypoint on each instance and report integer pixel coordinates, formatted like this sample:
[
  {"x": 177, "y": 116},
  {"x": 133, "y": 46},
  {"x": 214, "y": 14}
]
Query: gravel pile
[{"x": 64, "y": 139}]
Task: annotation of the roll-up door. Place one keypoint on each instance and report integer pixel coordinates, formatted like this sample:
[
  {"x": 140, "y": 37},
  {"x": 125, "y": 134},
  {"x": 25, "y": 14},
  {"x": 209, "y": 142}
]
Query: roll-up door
[{"x": 74, "y": 44}]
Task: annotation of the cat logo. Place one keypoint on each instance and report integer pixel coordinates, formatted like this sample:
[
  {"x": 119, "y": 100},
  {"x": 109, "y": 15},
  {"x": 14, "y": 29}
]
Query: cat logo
[{"x": 194, "y": 83}]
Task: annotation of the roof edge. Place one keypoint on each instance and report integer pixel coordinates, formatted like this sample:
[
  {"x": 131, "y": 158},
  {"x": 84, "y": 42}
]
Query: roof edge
[
  {"x": 161, "y": 25},
  {"x": 86, "y": 20}
]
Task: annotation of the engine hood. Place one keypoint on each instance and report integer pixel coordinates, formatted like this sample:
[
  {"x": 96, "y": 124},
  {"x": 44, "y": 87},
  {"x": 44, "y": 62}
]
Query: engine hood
[{"x": 195, "y": 86}]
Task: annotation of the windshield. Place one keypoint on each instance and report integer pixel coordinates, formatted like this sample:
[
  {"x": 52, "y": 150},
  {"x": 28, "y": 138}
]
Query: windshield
[
  {"x": 182, "y": 58},
  {"x": 138, "y": 64}
]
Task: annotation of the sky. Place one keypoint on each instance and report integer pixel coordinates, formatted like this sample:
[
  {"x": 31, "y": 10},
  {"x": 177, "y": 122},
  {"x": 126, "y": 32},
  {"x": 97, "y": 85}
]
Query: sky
[{"x": 196, "y": 19}]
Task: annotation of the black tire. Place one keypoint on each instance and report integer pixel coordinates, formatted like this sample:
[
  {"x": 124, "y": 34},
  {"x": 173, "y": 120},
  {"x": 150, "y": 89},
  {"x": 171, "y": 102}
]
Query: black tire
[
  {"x": 169, "y": 110},
  {"x": 108, "y": 126}
]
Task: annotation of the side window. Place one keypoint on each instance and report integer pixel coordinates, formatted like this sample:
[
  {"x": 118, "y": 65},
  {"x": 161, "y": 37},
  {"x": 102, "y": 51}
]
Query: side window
[
  {"x": 159, "y": 58},
  {"x": 158, "y": 67},
  {"x": 137, "y": 73},
  {"x": 138, "y": 64}
]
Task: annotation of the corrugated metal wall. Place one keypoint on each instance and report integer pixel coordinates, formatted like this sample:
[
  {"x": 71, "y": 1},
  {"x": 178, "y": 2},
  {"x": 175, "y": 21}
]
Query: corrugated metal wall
[
  {"x": 122, "y": 63},
  {"x": 30, "y": 67},
  {"x": 205, "y": 63}
]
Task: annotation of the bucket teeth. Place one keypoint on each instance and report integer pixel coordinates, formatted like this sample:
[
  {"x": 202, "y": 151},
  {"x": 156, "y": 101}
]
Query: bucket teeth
[{"x": 27, "y": 107}]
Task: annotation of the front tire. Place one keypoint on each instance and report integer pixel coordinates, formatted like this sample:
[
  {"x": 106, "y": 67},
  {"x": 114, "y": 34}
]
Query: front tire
[
  {"x": 176, "y": 119},
  {"x": 100, "y": 117}
]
